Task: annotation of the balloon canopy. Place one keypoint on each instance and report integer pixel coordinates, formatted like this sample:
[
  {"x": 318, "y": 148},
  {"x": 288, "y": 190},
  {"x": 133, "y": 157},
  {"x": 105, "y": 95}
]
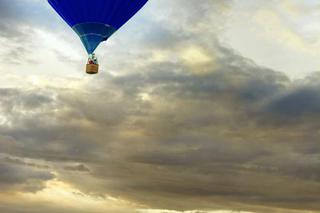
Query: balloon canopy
[{"x": 96, "y": 20}]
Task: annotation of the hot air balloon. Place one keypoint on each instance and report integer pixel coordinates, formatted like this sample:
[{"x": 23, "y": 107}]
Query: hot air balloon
[{"x": 95, "y": 21}]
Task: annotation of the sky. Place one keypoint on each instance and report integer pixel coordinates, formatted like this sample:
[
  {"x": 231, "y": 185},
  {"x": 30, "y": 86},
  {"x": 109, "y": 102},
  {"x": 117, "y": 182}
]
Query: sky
[{"x": 201, "y": 106}]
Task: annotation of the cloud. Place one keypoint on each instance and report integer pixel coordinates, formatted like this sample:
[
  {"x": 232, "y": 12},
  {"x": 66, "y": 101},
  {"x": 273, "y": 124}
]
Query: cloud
[
  {"x": 14, "y": 177},
  {"x": 79, "y": 168},
  {"x": 196, "y": 137},
  {"x": 296, "y": 104},
  {"x": 21, "y": 162},
  {"x": 162, "y": 134}
]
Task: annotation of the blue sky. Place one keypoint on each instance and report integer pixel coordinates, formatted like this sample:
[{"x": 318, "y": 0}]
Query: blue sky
[{"x": 200, "y": 106}]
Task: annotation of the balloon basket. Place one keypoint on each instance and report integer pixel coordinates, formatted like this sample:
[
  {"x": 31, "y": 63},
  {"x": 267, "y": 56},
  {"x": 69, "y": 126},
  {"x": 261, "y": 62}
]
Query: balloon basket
[{"x": 92, "y": 69}]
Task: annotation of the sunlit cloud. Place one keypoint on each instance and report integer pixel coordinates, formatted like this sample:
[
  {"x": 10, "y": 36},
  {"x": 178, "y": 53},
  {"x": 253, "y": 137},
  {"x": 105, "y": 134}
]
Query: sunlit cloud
[{"x": 62, "y": 194}]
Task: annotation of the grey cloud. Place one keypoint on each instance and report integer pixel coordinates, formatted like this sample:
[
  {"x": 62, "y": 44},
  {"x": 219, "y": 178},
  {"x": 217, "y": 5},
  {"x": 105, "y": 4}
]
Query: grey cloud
[
  {"x": 22, "y": 178},
  {"x": 235, "y": 148},
  {"x": 24, "y": 163},
  {"x": 219, "y": 140},
  {"x": 296, "y": 104},
  {"x": 198, "y": 136},
  {"x": 79, "y": 168},
  {"x": 26, "y": 99}
]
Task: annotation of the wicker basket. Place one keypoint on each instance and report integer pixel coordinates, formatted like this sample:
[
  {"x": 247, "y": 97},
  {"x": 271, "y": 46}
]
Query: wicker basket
[{"x": 92, "y": 68}]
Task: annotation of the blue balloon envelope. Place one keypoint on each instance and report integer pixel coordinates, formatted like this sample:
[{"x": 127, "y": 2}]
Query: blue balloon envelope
[{"x": 96, "y": 20}]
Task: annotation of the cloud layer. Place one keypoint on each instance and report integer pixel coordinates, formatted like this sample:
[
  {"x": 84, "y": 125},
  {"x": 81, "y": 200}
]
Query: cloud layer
[{"x": 186, "y": 123}]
